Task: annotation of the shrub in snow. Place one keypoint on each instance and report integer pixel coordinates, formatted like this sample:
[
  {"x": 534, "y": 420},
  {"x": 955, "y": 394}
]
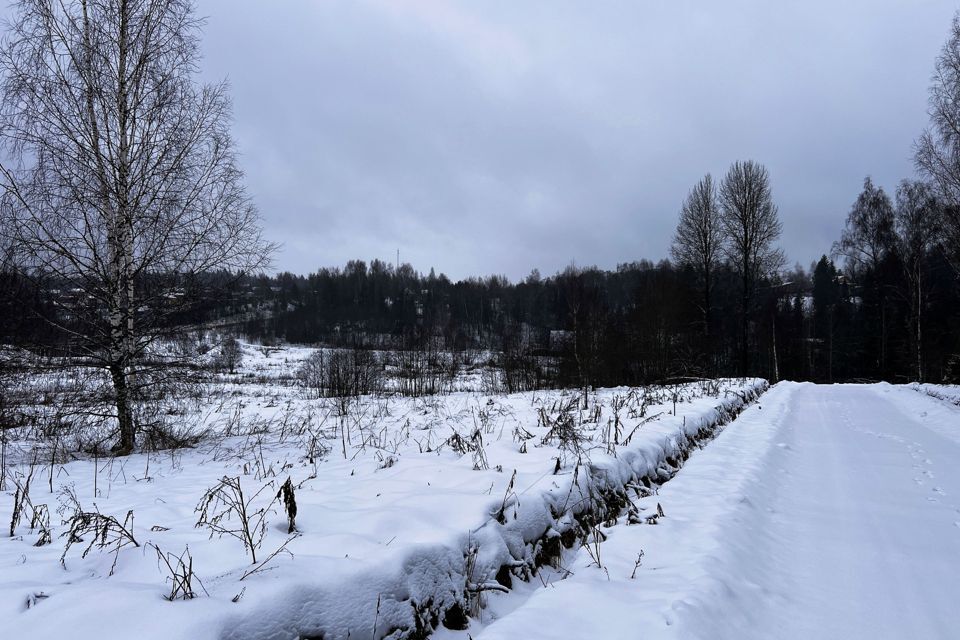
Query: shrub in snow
[
  {"x": 343, "y": 373},
  {"x": 230, "y": 355}
]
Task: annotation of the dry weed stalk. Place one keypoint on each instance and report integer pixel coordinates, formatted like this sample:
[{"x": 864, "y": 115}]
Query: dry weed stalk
[
  {"x": 102, "y": 532},
  {"x": 180, "y": 568},
  {"x": 224, "y": 501}
]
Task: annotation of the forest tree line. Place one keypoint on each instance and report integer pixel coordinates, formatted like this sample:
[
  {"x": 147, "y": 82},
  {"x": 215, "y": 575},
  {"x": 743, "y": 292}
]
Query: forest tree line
[
  {"x": 883, "y": 304},
  {"x": 893, "y": 319}
]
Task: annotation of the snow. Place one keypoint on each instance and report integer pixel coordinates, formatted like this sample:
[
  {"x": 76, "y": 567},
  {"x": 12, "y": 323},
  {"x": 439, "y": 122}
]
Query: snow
[
  {"x": 827, "y": 511},
  {"x": 823, "y": 511},
  {"x": 393, "y": 523}
]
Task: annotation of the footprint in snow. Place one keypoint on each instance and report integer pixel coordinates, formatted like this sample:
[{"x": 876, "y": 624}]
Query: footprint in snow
[{"x": 939, "y": 490}]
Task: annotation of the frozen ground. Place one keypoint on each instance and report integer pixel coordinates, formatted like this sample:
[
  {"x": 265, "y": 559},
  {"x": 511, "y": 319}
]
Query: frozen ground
[
  {"x": 410, "y": 511},
  {"x": 822, "y": 512}
]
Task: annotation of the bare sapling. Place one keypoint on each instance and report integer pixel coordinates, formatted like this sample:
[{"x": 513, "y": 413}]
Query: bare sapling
[{"x": 636, "y": 565}]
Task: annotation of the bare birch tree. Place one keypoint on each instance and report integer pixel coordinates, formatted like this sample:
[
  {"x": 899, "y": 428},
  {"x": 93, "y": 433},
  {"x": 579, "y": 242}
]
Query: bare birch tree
[
  {"x": 918, "y": 224},
  {"x": 751, "y": 226},
  {"x": 698, "y": 242},
  {"x": 120, "y": 177},
  {"x": 938, "y": 149}
]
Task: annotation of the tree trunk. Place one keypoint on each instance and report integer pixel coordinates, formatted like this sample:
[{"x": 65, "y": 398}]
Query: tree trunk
[
  {"x": 919, "y": 315},
  {"x": 121, "y": 390},
  {"x": 776, "y": 363},
  {"x": 883, "y": 332},
  {"x": 745, "y": 328},
  {"x": 830, "y": 345},
  {"x": 120, "y": 244},
  {"x": 707, "y": 321}
]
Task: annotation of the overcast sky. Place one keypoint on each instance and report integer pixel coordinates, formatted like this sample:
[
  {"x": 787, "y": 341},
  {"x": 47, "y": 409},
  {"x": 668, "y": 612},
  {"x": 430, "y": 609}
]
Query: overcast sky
[{"x": 499, "y": 136}]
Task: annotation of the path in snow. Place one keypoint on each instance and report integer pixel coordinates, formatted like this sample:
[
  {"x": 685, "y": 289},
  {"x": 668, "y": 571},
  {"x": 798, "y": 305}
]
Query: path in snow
[
  {"x": 865, "y": 520},
  {"x": 829, "y": 512}
]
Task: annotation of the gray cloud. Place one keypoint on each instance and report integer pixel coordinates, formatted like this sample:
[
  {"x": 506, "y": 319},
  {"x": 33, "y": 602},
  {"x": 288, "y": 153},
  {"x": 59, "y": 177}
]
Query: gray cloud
[{"x": 499, "y": 136}]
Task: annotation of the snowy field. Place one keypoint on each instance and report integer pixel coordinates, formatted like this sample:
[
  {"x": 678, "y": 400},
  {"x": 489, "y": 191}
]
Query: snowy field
[
  {"x": 412, "y": 513},
  {"x": 712, "y": 509}
]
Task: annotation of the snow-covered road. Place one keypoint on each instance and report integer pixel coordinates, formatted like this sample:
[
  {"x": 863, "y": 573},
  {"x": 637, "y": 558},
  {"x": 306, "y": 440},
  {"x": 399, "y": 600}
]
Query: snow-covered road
[
  {"x": 865, "y": 520},
  {"x": 826, "y": 511}
]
